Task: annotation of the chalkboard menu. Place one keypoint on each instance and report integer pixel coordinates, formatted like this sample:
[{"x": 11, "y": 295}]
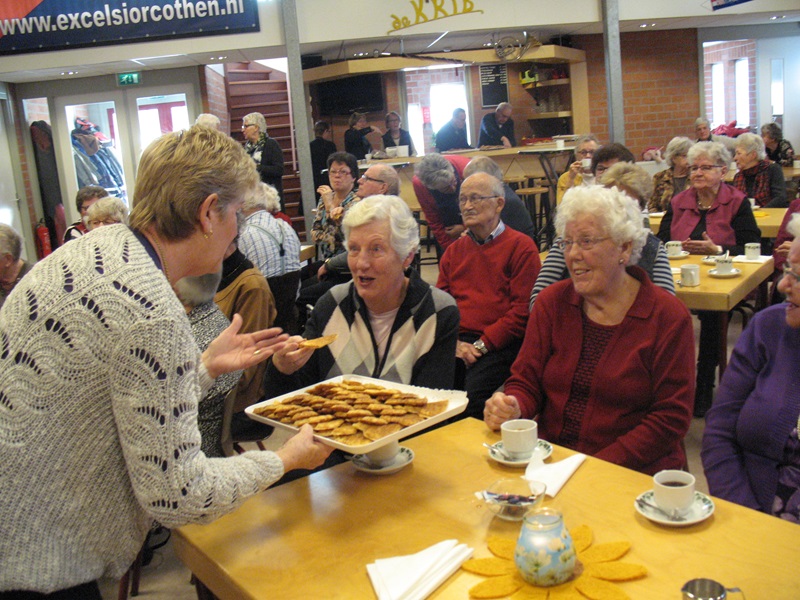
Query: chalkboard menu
[{"x": 494, "y": 85}]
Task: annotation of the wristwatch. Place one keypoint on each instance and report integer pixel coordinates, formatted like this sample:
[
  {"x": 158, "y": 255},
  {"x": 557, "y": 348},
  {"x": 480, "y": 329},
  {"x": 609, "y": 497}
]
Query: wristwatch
[{"x": 481, "y": 347}]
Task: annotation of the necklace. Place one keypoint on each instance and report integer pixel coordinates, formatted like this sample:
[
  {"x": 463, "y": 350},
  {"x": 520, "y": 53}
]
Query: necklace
[{"x": 163, "y": 260}]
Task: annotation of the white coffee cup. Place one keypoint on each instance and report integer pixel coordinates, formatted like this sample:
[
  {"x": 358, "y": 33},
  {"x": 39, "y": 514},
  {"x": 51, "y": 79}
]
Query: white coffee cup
[
  {"x": 724, "y": 265},
  {"x": 586, "y": 164},
  {"x": 673, "y": 491},
  {"x": 385, "y": 455},
  {"x": 752, "y": 251},
  {"x": 752, "y": 202},
  {"x": 368, "y": 156},
  {"x": 690, "y": 275},
  {"x": 520, "y": 437},
  {"x": 559, "y": 144},
  {"x": 674, "y": 248}
]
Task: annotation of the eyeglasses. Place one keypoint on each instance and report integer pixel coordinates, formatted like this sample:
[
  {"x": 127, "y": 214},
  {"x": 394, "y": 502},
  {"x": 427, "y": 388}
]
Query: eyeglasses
[
  {"x": 366, "y": 177},
  {"x": 474, "y": 199},
  {"x": 98, "y": 222},
  {"x": 584, "y": 243},
  {"x": 248, "y": 125},
  {"x": 787, "y": 270},
  {"x": 339, "y": 171},
  {"x": 585, "y": 152},
  {"x": 703, "y": 168}
]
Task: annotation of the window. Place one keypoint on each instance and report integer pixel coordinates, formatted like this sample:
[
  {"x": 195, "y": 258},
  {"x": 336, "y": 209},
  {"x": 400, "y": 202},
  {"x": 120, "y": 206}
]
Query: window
[
  {"x": 717, "y": 94},
  {"x": 742, "y": 88}
]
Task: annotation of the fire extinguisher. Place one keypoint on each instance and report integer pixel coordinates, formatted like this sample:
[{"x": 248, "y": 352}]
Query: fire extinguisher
[{"x": 43, "y": 247}]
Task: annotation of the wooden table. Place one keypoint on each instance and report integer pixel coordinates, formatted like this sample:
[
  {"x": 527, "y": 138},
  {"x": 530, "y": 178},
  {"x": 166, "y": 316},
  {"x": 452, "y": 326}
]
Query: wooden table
[
  {"x": 313, "y": 537},
  {"x": 722, "y": 295},
  {"x": 308, "y": 252},
  {"x": 769, "y": 225}
]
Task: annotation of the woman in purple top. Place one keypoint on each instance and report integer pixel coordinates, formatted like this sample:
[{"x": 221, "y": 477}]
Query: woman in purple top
[{"x": 751, "y": 453}]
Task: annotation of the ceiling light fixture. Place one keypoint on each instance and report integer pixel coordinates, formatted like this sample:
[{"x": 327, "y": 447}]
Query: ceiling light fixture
[{"x": 776, "y": 17}]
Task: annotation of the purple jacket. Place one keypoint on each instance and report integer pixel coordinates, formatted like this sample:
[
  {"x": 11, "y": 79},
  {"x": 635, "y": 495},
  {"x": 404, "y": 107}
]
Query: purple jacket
[
  {"x": 686, "y": 215},
  {"x": 756, "y": 408}
]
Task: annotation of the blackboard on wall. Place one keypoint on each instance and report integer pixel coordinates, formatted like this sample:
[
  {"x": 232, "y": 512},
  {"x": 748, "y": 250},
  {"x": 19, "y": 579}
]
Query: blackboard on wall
[{"x": 494, "y": 85}]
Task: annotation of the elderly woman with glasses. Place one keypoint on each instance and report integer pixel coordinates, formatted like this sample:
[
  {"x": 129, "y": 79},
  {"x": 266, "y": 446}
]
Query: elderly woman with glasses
[
  {"x": 107, "y": 211},
  {"x": 751, "y": 450},
  {"x": 671, "y": 181},
  {"x": 264, "y": 150},
  {"x": 758, "y": 177},
  {"x": 711, "y": 217},
  {"x": 606, "y": 363}
]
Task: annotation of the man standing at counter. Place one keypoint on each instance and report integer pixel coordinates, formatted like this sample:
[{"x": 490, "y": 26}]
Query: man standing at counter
[
  {"x": 453, "y": 136},
  {"x": 497, "y": 128}
]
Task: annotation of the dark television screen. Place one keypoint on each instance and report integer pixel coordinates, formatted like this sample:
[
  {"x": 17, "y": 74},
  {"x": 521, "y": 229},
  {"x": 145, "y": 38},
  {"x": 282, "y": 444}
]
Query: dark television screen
[{"x": 362, "y": 93}]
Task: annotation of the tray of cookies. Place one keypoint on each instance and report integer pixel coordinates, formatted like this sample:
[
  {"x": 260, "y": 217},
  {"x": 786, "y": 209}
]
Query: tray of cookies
[{"x": 359, "y": 414}]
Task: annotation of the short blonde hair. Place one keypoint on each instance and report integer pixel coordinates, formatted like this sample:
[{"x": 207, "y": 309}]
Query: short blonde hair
[
  {"x": 178, "y": 171},
  {"x": 631, "y": 176}
]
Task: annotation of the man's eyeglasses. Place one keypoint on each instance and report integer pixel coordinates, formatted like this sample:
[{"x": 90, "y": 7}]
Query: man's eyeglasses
[
  {"x": 474, "y": 199},
  {"x": 366, "y": 177},
  {"x": 339, "y": 171},
  {"x": 244, "y": 127},
  {"x": 584, "y": 243},
  {"x": 703, "y": 168},
  {"x": 586, "y": 153},
  {"x": 787, "y": 270}
]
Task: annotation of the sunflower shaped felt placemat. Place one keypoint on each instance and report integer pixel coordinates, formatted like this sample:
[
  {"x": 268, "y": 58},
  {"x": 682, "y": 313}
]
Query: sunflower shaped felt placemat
[{"x": 596, "y": 578}]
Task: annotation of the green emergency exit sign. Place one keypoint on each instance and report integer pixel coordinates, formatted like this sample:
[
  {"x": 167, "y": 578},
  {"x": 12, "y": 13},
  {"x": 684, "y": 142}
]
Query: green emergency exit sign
[{"x": 129, "y": 78}]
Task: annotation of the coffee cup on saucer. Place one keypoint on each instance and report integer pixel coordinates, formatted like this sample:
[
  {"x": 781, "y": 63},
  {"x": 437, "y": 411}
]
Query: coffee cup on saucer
[
  {"x": 674, "y": 248},
  {"x": 724, "y": 265},
  {"x": 752, "y": 251},
  {"x": 690, "y": 275},
  {"x": 752, "y": 202},
  {"x": 385, "y": 455},
  {"x": 520, "y": 437},
  {"x": 673, "y": 491}
]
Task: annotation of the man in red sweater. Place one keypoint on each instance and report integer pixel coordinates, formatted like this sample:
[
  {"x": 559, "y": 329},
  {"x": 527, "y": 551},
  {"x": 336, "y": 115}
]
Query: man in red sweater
[{"x": 490, "y": 272}]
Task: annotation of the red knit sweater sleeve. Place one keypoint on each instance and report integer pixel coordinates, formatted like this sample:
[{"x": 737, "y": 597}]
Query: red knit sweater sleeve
[{"x": 428, "y": 206}]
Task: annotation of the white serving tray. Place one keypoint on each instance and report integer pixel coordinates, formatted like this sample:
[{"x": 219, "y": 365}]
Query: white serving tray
[{"x": 457, "y": 403}]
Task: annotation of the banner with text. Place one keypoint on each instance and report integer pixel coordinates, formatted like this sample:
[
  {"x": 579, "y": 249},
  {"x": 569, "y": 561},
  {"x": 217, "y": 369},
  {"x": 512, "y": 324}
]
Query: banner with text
[
  {"x": 41, "y": 25},
  {"x": 718, "y": 4}
]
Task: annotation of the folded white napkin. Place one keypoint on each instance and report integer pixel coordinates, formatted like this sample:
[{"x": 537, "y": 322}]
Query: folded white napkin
[
  {"x": 658, "y": 214},
  {"x": 416, "y": 576},
  {"x": 554, "y": 475},
  {"x": 743, "y": 259}
]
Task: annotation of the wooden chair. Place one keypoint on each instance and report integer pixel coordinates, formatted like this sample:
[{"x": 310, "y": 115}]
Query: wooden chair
[
  {"x": 537, "y": 201},
  {"x": 232, "y": 445}
]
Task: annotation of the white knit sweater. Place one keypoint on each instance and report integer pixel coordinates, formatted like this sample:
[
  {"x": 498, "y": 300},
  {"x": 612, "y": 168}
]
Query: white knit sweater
[{"x": 99, "y": 383}]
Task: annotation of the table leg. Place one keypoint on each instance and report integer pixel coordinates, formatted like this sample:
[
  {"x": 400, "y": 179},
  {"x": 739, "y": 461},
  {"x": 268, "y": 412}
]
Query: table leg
[{"x": 722, "y": 359}]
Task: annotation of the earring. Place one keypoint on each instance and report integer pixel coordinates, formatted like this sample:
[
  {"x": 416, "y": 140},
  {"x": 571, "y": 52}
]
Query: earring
[
  {"x": 621, "y": 261},
  {"x": 209, "y": 234}
]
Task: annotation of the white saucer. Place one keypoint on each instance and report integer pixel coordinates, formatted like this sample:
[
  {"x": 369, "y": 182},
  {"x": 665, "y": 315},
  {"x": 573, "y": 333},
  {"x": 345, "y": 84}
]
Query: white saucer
[
  {"x": 403, "y": 458},
  {"x": 702, "y": 508},
  {"x": 733, "y": 273},
  {"x": 683, "y": 254},
  {"x": 543, "y": 450},
  {"x": 709, "y": 260}
]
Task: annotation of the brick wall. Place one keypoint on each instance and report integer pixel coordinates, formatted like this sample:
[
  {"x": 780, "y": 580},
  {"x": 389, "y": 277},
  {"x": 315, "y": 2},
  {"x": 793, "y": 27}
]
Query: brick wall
[
  {"x": 728, "y": 53},
  {"x": 660, "y": 83},
  {"x": 215, "y": 101}
]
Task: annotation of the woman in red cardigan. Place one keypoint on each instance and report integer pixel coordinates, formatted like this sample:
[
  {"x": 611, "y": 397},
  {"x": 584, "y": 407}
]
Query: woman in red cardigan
[{"x": 607, "y": 359}]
